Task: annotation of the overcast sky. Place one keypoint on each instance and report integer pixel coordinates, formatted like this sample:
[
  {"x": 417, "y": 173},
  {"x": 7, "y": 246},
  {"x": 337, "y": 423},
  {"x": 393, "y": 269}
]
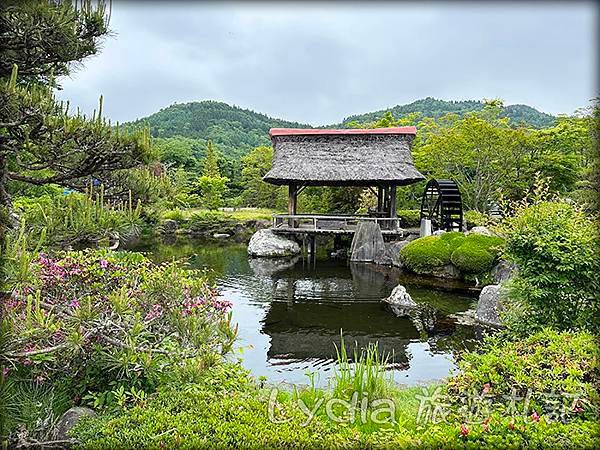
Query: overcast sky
[{"x": 318, "y": 63}]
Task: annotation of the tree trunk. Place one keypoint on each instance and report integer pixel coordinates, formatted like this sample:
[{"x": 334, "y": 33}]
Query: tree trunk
[{"x": 5, "y": 199}]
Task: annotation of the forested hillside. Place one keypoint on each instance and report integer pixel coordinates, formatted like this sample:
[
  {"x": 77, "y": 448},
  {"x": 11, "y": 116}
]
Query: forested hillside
[
  {"x": 431, "y": 107},
  {"x": 234, "y": 131}
]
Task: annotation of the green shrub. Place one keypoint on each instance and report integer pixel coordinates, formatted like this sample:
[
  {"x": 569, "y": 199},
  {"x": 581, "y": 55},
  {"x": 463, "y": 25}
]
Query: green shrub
[
  {"x": 425, "y": 254},
  {"x": 555, "y": 248},
  {"x": 454, "y": 239},
  {"x": 546, "y": 363},
  {"x": 209, "y": 222},
  {"x": 409, "y": 218},
  {"x": 469, "y": 258},
  {"x": 174, "y": 214},
  {"x": 492, "y": 244},
  {"x": 78, "y": 218},
  {"x": 476, "y": 219}
]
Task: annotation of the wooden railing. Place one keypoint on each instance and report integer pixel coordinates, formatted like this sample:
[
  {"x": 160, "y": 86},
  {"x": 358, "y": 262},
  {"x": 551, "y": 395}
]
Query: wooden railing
[{"x": 324, "y": 223}]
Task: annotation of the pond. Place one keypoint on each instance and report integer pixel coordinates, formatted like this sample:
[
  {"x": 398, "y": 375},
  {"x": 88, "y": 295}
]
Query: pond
[{"x": 291, "y": 314}]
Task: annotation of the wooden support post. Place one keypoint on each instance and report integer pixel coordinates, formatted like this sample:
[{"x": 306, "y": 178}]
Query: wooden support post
[
  {"x": 386, "y": 199},
  {"x": 393, "y": 201},
  {"x": 292, "y": 197},
  {"x": 393, "y": 213},
  {"x": 379, "y": 198}
]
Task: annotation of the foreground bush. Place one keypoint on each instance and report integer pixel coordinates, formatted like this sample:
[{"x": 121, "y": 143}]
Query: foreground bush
[
  {"x": 557, "y": 372},
  {"x": 555, "y": 248},
  {"x": 226, "y": 409},
  {"x": 97, "y": 319}
]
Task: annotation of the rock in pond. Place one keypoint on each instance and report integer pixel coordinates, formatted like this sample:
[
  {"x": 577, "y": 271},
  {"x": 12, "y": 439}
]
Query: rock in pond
[
  {"x": 391, "y": 255},
  {"x": 489, "y": 306},
  {"x": 265, "y": 243},
  {"x": 367, "y": 243},
  {"x": 69, "y": 419},
  {"x": 400, "y": 301}
]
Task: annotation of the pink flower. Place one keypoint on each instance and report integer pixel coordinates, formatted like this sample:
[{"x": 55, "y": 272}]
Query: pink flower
[
  {"x": 486, "y": 388},
  {"x": 155, "y": 311},
  {"x": 5, "y": 372},
  {"x": 103, "y": 263},
  {"x": 74, "y": 303},
  {"x": 535, "y": 417},
  {"x": 464, "y": 430}
]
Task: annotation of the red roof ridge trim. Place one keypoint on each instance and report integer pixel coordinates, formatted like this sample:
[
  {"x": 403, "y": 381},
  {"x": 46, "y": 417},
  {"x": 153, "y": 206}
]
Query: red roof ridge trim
[{"x": 308, "y": 131}]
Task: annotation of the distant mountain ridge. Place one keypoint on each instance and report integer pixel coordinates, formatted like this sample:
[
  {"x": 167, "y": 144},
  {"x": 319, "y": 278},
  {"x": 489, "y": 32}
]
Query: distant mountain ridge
[
  {"x": 431, "y": 107},
  {"x": 235, "y": 131}
]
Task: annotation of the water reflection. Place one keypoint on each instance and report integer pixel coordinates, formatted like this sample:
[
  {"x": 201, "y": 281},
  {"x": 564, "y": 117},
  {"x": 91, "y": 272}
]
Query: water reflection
[{"x": 291, "y": 313}]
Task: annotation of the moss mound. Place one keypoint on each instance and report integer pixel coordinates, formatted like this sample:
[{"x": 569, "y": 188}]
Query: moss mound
[
  {"x": 469, "y": 258},
  {"x": 472, "y": 254},
  {"x": 426, "y": 253}
]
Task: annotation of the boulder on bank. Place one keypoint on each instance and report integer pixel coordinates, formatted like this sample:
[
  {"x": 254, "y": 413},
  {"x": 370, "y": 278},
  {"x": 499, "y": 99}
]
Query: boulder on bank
[
  {"x": 503, "y": 271},
  {"x": 480, "y": 230},
  {"x": 489, "y": 306},
  {"x": 367, "y": 243},
  {"x": 169, "y": 226},
  {"x": 400, "y": 301},
  {"x": 68, "y": 420},
  {"x": 266, "y": 244}
]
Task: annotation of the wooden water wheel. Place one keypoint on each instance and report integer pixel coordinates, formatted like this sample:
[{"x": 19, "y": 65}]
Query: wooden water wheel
[{"x": 442, "y": 204}]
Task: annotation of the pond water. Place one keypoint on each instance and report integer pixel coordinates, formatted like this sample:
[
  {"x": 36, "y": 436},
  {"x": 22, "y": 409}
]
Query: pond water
[{"x": 292, "y": 313}]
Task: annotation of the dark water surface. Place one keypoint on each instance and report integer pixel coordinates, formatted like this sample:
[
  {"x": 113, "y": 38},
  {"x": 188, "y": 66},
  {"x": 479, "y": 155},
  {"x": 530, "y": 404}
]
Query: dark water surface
[{"x": 290, "y": 313}]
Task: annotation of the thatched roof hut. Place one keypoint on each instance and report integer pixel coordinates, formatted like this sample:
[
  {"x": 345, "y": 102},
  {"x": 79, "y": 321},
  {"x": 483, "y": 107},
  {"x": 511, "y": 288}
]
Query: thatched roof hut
[{"x": 364, "y": 157}]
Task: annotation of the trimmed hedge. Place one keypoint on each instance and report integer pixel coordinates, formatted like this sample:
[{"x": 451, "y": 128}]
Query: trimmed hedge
[{"x": 409, "y": 217}]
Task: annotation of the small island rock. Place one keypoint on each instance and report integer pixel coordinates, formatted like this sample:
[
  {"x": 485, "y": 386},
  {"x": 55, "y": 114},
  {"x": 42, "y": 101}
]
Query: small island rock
[{"x": 265, "y": 243}]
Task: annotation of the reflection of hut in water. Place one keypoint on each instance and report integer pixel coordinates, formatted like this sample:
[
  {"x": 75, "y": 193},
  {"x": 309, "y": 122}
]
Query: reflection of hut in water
[
  {"x": 310, "y": 307},
  {"x": 310, "y": 330}
]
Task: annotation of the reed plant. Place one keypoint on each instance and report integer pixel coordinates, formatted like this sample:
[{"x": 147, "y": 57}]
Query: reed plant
[{"x": 366, "y": 374}]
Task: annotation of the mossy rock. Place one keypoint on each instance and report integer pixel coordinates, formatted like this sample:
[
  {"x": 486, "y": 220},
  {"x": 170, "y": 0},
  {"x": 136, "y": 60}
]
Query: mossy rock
[{"x": 425, "y": 254}]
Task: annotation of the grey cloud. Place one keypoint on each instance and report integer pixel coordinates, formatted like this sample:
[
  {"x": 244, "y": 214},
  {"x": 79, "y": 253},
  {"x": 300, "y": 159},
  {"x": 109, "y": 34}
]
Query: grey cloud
[{"x": 317, "y": 63}]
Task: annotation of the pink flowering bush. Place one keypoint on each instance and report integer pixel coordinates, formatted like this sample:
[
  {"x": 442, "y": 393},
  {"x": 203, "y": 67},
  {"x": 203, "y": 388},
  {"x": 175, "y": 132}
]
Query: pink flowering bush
[{"x": 99, "y": 317}]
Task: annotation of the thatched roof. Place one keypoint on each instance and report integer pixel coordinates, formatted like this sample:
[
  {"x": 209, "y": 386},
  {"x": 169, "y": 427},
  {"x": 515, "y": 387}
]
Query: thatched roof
[{"x": 363, "y": 157}]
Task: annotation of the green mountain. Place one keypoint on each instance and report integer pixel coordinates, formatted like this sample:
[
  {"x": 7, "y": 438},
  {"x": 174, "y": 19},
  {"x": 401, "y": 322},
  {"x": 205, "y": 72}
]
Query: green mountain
[
  {"x": 235, "y": 131},
  {"x": 431, "y": 107}
]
